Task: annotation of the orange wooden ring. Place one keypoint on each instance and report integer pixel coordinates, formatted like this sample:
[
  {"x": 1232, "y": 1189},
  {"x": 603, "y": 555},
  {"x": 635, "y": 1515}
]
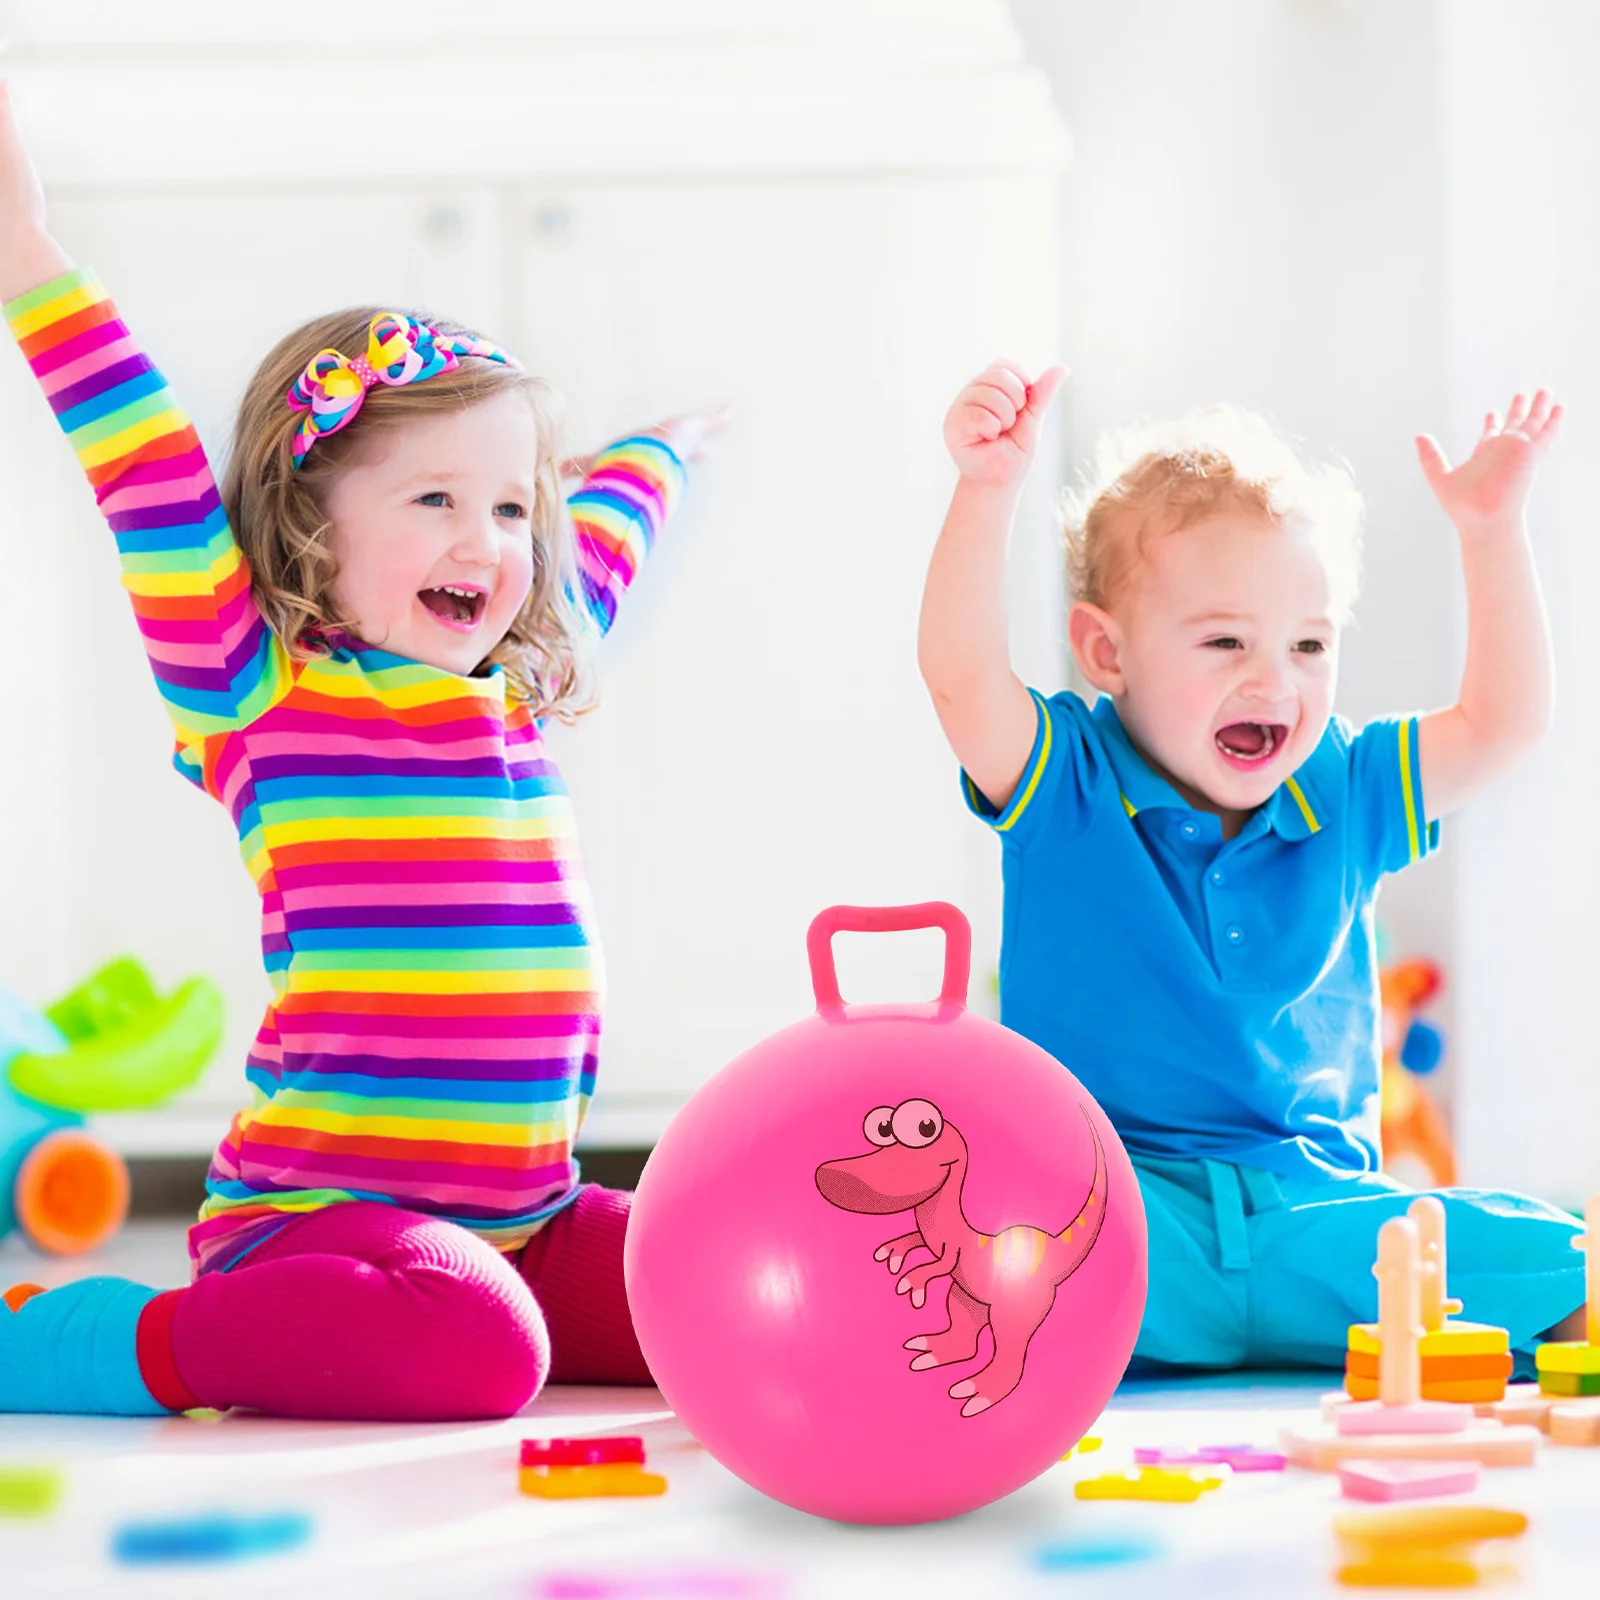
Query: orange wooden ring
[
  {"x": 72, "y": 1193},
  {"x": 19, "y": 1294}
]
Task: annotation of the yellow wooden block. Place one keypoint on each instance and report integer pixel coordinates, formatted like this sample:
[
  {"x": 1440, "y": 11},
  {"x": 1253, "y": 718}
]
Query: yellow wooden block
[
  {"x": 583, "y": 1483},
  {"x": 1453, "y": 1339},
  {"x": 1568, "y": 1355}
]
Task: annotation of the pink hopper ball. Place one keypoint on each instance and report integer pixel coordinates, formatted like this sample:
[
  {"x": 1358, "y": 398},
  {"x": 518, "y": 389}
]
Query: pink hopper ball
[{"x": 890, "y": 1263}]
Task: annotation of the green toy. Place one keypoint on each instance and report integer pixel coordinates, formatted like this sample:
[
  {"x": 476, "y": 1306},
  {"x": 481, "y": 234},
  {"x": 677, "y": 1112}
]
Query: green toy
[{"x": 112, "y": 1044}]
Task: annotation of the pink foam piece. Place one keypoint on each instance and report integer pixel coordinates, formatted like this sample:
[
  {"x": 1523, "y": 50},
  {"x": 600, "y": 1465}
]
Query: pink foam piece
[
  {"x": 1406, "y": 1480},
  {"x": 1241, "y": 1457},
  {"x": 1244, "y": 1457},
  {"x": 1423, "y": 1416}
]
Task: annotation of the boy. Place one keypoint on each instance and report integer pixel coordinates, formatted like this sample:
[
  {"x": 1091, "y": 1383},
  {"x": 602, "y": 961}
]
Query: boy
[{"x": 1190, "y": 864}]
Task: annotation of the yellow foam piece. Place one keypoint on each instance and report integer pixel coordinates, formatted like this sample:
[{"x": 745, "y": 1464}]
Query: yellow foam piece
[
  {"x": 1427, "y": 1571},
  {"x": 1568, "y": 1355},
  {"x": 1428, "y": 1527},
  {"x": 1151, "y": 1483},
  {"x": 583, "y": 1483},
  {"x": 1453, "y": 1339}
]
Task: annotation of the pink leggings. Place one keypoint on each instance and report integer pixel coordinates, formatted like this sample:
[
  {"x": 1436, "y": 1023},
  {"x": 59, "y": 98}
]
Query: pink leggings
[{"x": 363, "y": 1311}]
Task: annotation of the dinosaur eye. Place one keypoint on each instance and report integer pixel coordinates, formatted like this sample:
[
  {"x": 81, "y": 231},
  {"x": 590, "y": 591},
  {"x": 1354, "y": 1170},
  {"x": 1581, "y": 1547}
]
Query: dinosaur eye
[
  {"x": 879, "y": 1126},
  {"x": 917, "y": 1122}
]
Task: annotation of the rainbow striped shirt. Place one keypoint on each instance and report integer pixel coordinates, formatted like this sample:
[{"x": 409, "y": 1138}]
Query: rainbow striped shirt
[{"x": 432, "y": 1036}]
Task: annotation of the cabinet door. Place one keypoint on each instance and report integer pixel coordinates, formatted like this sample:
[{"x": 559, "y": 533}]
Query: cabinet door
[
  {"x": 106, "y": 847},
  {"x": 765, "y": 746}
]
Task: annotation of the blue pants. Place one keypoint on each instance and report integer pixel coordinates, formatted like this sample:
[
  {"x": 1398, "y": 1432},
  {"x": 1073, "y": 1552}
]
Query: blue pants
[{"x": 1251, "y": 1269}]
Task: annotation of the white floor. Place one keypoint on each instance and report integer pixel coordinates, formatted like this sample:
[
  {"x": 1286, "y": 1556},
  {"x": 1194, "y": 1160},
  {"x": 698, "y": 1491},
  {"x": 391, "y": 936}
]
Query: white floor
[{"x": 434, "y": 1510}]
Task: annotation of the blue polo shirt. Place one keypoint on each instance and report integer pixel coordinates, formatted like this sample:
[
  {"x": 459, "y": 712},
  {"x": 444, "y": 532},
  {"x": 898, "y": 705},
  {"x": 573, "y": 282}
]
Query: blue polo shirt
[{"x": 1219, "y": 999}]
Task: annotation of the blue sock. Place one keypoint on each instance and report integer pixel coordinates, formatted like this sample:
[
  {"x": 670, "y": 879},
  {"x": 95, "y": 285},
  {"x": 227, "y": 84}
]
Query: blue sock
[{"x": 75, "y": 1349}]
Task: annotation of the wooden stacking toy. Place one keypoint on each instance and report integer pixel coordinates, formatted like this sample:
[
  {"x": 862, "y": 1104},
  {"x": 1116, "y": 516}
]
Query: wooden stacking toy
[
  {"x": 1463, "y": 1362},
  {"x": 1571, "y": 1367},
  {"x": 1400, "y": 1422}
]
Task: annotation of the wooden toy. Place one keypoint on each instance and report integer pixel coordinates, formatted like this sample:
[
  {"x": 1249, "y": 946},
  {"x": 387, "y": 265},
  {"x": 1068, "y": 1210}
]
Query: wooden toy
[
  {"x": 1399, "y": 1423},
  {"x": 1577, "y": 1422},
  {"x": 1153, "y": 1483},
  {"x": 1399, "y": 1406},
  {"x": 1571, "y": 1367},
  {"x": 1524, "y": 1403},
  {"x": 1462, "y": 1362},
  {"x": 1436, "y": 1546},
  {"x": 1406, "y": 1480},
  {"x": 585, "y": 1483}
]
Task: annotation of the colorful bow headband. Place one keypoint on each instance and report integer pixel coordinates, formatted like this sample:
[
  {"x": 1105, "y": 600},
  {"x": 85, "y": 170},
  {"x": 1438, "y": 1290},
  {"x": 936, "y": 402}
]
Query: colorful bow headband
[{"x": 399, "y": 351}]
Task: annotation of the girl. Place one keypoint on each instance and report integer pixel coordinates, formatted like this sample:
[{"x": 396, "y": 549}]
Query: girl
[{"x": 357, "y": 640}]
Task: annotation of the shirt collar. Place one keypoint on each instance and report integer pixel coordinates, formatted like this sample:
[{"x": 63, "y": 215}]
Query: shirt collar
[{"x": 1293, "y": 810}]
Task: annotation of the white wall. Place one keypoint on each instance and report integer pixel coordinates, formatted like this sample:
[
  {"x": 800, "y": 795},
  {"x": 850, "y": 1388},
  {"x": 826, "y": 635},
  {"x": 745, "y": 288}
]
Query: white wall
[
  {"x": 1253, "y": 214},
  {"x": 1370, "y": 219},
  {"x": 1524, "y": 259}
]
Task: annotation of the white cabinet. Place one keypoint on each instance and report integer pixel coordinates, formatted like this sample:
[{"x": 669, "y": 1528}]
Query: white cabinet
[{"x": 765, "y": 746}]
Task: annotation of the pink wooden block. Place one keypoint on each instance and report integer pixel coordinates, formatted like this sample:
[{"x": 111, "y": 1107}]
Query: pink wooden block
[
  {"x": 1421, "y": 1416},
  {"x": 1406, "y": 1480}
]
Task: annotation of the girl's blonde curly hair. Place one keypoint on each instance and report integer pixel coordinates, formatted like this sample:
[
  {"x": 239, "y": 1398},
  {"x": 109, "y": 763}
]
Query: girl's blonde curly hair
[
  {"x": 1161, "y": 479},
  {"x": 279, "y": 513}
]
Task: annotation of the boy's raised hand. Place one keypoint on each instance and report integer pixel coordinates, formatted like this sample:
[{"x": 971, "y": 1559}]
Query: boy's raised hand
[
  {"x": 992, "y": 430},
  {"x": 1493, "y": 483}
]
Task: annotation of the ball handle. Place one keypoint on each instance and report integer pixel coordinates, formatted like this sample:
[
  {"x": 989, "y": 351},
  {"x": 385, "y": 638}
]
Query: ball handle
[{"x": 890, "y": 919}]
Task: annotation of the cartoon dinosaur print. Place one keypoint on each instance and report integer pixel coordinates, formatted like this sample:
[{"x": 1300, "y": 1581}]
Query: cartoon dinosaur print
[{"x": 1007, "y": 1279}]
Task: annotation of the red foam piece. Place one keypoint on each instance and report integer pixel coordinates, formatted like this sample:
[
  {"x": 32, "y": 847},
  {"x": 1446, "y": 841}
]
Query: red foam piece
[{"x": 582, "y": 1452}]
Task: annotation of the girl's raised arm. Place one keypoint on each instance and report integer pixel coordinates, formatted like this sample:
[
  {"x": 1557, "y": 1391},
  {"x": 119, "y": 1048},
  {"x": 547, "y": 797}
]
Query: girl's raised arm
[
  {"x": 216, "y": 665},
  {"x": 628, "y": 492}
]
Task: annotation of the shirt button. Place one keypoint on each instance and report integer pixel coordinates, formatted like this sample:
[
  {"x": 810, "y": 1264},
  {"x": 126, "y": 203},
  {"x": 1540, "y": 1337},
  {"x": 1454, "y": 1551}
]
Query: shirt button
[
  {"x": 1188, "y": 830},
  {"x": 1235, "y": 934},
  {"x": 1216, "y": 880}
]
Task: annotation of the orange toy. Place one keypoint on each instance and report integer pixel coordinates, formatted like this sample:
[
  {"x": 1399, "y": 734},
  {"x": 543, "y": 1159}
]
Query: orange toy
[{"x": 1411, "y": 1124}]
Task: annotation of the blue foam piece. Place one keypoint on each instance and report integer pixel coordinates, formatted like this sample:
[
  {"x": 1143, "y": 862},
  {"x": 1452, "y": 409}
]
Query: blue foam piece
[
  {"x": 1096, "y": 1550},
  {"x": 213, "y": 1536}
]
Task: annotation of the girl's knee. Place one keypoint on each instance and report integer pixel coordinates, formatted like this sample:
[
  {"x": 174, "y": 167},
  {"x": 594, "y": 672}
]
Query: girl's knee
[{"x": 488, "y": 1349}]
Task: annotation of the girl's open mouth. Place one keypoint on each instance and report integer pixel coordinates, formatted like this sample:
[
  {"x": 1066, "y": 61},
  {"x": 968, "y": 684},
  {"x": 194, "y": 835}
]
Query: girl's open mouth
[
  {"x": 1249, "y": 746},
  {"x": 459, "y": 606}
]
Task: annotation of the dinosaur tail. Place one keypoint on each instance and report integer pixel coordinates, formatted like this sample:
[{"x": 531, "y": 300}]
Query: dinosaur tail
[{"x": 1084, "y": 1228}]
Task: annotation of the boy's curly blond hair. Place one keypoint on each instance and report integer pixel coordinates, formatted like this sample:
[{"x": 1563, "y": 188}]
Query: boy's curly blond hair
[
  {"x": 1160, "y": 479},
  {"x": 279, "y": 513}
]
